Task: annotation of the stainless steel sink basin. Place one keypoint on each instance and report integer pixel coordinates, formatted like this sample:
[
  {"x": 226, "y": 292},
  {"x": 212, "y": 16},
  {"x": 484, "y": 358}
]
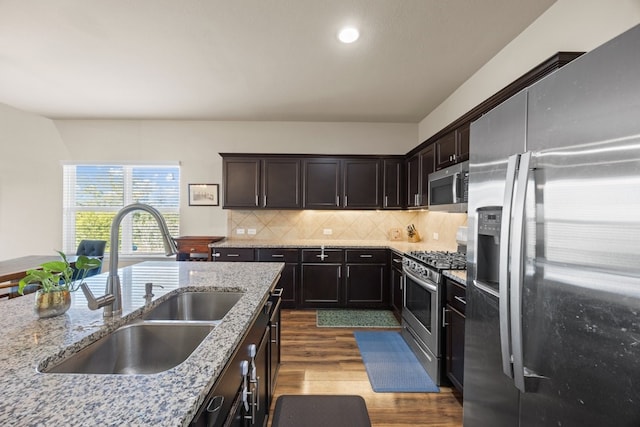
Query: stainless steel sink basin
[
  {"x": 195, "y": 306},
  {"x": 139, "y": 348}
]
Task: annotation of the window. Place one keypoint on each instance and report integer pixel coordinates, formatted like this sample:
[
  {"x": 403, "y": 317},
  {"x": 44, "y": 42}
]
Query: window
[{"x": 94, "y": 193}]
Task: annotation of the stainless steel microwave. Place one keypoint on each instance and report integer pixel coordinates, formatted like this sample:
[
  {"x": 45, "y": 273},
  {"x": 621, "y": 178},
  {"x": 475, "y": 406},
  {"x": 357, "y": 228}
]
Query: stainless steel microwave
[{"x": 449, "y": 188}]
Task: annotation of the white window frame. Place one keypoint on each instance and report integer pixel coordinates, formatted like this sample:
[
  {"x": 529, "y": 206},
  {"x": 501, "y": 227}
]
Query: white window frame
[{"x": 70, "y": 208}]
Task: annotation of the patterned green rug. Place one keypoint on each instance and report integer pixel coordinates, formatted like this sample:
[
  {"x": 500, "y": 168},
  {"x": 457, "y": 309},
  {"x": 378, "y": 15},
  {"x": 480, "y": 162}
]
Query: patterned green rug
[{"x": 356, "y": 319}]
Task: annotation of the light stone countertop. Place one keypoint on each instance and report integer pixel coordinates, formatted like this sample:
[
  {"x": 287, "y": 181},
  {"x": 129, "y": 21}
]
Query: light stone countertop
[
  {"x": 399, "y": 245},
  {"x": 169, "y": 398},
  {"x": 459, "y": 276}
]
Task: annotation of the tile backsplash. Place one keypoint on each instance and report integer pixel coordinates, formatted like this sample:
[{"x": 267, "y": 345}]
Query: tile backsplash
[{"x": 343, "y": 225}]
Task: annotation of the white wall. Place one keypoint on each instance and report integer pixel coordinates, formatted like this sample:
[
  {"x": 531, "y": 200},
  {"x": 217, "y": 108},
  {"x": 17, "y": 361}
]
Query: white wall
[
  {"x": 568, "y": 25},
  {"x": 30, "y": 184},
  {"x": 33, "y": 148}
]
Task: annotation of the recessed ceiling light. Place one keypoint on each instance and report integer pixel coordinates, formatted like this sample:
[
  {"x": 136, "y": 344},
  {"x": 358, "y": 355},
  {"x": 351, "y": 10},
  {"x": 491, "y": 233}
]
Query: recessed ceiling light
[{"x": 348, "y": 35}]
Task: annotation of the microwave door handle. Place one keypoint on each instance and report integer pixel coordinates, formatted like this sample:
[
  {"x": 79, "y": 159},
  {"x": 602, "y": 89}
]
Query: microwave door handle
[
  {"x": 517, "y": 270},
  {"x": 505, "y": 250},
  {"x": 456, "y": 180}
]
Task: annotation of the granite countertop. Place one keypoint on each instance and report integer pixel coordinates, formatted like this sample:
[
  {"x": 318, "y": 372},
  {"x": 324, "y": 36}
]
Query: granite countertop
[
  {"x": 169, "y": 398},
  {"x": 397, "y": 245},
  {"x": 459, "y": 276}
]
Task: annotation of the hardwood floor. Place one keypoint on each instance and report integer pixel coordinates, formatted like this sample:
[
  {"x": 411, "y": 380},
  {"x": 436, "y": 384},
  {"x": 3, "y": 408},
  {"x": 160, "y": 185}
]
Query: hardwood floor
[{"x": 327, "y": 361}]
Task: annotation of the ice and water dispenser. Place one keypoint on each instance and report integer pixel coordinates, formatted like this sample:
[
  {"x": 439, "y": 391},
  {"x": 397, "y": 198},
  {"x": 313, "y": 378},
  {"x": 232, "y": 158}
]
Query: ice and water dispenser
[{"x": 489, "y": 220}]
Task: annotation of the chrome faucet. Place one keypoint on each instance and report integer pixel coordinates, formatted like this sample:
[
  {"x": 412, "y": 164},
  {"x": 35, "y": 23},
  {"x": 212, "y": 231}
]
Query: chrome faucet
[{"x": 112, "y": 300}]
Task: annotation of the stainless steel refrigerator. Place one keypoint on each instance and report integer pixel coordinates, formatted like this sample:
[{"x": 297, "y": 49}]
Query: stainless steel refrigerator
[{"x": 553, "y": 295}]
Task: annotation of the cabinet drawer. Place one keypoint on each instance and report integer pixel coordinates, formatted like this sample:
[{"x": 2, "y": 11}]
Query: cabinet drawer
[
  {"x": 315, "y": 255},
  {"x": 456, "y": 295},
  {"x": 367, "y": 256},
  {"x": 193, "y": 246},
  {"x": 278, "y": 255},
  {"x": 233, "y": 254}
]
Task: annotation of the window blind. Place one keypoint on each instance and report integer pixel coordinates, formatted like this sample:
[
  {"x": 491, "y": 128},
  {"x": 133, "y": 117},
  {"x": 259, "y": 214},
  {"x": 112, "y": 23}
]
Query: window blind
[{"x": 94, "y": 193}]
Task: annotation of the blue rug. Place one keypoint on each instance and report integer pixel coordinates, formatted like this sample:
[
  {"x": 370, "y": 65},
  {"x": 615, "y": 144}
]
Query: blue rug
[{"x": 391, "y": 365}]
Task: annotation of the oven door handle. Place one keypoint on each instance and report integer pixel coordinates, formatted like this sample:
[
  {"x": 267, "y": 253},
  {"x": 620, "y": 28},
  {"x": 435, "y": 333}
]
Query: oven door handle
[{"x": 427, "y": 285}]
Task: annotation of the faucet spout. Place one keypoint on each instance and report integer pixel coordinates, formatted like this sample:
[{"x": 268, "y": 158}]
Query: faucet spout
[{"x": 114, "y": 307}]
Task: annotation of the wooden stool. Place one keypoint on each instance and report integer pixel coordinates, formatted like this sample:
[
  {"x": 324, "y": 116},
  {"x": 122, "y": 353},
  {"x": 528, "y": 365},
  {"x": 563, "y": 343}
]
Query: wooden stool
[{"x": 320, "y": 411}]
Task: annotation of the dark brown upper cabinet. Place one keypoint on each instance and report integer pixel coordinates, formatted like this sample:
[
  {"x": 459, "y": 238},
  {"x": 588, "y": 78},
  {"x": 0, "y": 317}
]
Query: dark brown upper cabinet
[
  {"x": 394, "y": 195},
  {"x": 342, "y": 183},
  {"x": 251, "y": 182},
  {"x": 321, "y": 183},
  {"x": 419, "y": 166},
  {"x": 362, "y": 181},
  {"x": 241, "y": 178},
  {"x": 453, "y": 147},
  {"x": 281, "y": 184}
]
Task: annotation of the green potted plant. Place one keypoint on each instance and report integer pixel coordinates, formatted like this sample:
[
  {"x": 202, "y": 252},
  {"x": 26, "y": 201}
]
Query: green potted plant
[{"x": 55, "y": 281}]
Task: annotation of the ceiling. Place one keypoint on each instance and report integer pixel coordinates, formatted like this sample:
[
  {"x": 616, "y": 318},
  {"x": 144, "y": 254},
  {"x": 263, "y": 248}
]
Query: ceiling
[{"x": 248, "y": 59}]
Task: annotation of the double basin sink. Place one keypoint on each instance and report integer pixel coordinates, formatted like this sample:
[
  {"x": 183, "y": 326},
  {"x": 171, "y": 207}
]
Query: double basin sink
[{"x": 163, "y": 338}]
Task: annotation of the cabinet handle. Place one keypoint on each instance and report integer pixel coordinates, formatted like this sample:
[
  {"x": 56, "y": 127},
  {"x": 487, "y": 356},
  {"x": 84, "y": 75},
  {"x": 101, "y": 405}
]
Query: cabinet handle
[
  {"x": 397, "y": 260},
  {"x": 386, "y": 201},
  {"x": 257, "y": 201},
  {"x": 215, "y": 254},
  {"x": 337, "y": 200},
  {"x": 277, "y": 256},
  {"x": 274, "y": 327},
  {"x": 348, "y": 271},
  {"x": 366, "y": 256},
  {"x": 444, "y": 317},
  {"x": 233, "y": 255},
  {"x": 339, "y": 272},
  {"x": 217, "y": 401},
  {"x": 277, "y": 292},
  {"x": 460, "y": 299},
  {"x": 346, "y": 201},
  {"x": 264, "y": 200}
]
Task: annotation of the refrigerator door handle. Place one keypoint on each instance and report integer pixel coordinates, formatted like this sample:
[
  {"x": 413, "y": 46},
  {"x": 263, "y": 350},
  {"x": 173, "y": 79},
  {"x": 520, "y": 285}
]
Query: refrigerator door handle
[
  {"x": 505, "y": 250},
  {"x": 517, "y": 270}
]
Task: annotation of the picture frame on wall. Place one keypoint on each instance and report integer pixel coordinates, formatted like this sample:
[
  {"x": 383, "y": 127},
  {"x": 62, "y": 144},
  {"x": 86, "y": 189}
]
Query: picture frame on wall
[{"x": 204, "y": 195}]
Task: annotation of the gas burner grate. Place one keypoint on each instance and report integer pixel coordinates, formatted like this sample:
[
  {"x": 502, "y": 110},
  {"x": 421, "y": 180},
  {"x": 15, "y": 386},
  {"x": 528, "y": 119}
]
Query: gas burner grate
[{"x": 441, "y": 260}]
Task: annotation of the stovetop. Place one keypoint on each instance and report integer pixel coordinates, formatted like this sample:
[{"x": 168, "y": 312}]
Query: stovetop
[{"x": 441, "y": 260}]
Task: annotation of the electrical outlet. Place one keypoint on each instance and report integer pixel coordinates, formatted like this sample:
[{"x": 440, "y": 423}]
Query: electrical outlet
[
  {"x": 239, "y": 230},
  {"x": 436, "y": 236},
  {"x": 251, "y": 231},
  {"x": 327, "y": 231}
]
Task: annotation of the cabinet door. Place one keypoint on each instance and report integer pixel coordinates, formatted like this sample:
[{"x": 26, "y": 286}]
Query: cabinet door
[
  {"x": 281, "y": 183},
  {"x": 446, "y": 150},
  {"x": 413, "y": 181},
  {"x": 274, "y": 348},
  {"x": 396, "y": 284},
  {"x": 362, "y": 184},
  {"x": 454, "y": 364},
  {"x": 241, "y": 182},
  {"x": 427, "y": 166},
  {"x": 366, "y": 286},
  {"x": 393, "y": 186},
  {"x": 289, "y": 284},
  {"x": 321, "y": 183},
  {"x": 462, "y": 135},
  {"x": 321, "y": 285}
]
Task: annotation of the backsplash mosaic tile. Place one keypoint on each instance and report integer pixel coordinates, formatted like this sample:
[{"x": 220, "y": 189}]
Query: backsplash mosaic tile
[{"x": 342, "y": 225}]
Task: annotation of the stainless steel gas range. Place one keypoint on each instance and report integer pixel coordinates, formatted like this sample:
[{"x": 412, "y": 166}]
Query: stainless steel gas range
[{"x": 423, "y": 304}]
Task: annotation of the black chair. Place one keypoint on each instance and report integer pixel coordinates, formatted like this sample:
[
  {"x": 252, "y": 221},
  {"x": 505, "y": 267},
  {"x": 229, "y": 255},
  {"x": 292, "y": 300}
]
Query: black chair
[{"x": 91, "y": 248}]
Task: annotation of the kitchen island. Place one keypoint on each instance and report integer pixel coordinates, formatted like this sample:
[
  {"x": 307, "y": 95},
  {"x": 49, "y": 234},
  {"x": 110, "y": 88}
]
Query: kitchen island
[{"x": 169, "y": 398}]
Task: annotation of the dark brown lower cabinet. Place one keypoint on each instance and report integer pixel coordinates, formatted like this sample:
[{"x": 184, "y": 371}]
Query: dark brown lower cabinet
[
  {"x": 289, "y": 277},
  {"x": 321, "y": 285},
  {"x": 366, "y": 285},
  {"x": 454, "y": 336},
  {"x": 395, "y": 278}
]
